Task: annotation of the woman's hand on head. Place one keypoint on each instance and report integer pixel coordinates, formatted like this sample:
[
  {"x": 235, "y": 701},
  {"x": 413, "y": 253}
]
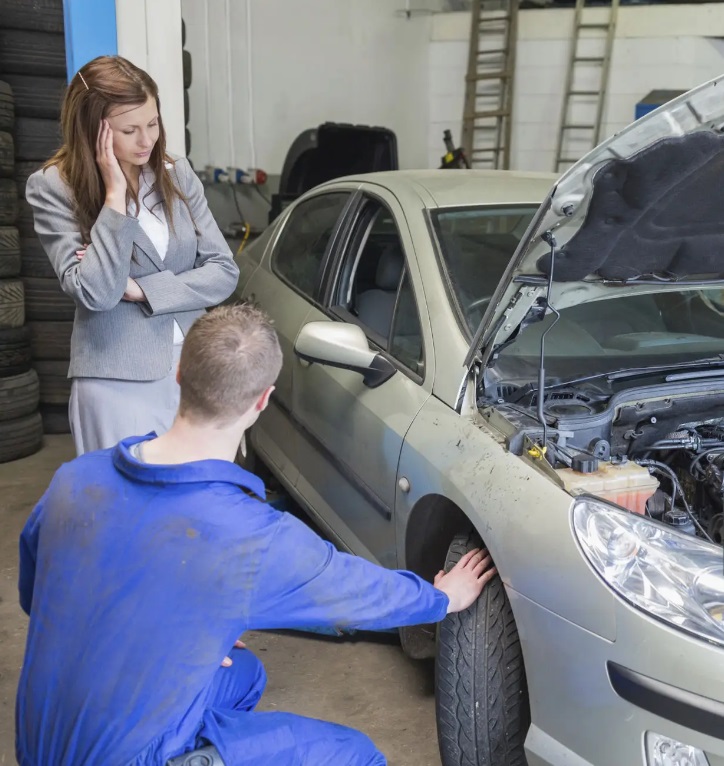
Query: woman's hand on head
[{"x": 113, "y": 177}]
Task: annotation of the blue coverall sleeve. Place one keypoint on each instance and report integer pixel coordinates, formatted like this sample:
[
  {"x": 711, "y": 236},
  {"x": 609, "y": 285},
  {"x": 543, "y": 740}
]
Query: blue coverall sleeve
[
  {"x": 28, "y": 555},
  {"x": 305, "y": 583}
]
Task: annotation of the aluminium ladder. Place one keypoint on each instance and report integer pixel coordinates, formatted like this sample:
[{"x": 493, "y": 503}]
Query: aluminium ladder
[
  {"x": 487, "y": 115},
  {"x": 576, "y": 135}
]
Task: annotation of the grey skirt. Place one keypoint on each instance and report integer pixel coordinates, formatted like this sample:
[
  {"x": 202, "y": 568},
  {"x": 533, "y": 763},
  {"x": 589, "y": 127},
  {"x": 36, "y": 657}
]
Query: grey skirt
[{"x": 103, "y": 411}]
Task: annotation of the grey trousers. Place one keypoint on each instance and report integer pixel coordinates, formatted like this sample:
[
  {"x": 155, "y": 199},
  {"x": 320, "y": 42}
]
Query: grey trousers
[{"x": 103, "y": 411}]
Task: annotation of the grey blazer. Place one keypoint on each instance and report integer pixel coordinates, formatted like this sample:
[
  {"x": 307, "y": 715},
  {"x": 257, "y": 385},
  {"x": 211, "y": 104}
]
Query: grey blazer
[{"x": 113, "y": 338}]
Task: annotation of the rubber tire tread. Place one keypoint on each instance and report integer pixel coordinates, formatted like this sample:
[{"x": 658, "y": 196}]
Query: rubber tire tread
[
  {"x": 37, "y": 53},
  {"x": 12, "y": 303},
  {"x": 19, "y": 395},
  {"x": 43, "y": 15},
  {"x": 54, "y": 381},
  {"x": 45, "y": 300},
  {"x": 7, "y": 155},
  {"x": 50, "y": 340},
  {"x": 10, "y": 262},
  {"x": 481, "y": 695},
  {"x": 187, "y": 69},
  {"x": 20, "y": 437},
  {"x": 23, "y": 171},
  {"x": 7, "y": 107},
  {"x": 36, "y": 139},
  {"x": 8, "y": 202},
  {"x": 56, "y": 419},
  {"x": 35, "y": 96},
  {"x": 15, "y": 351},
  {"x": 34, "y": 261},
  {"x": 24, "y": 221}
]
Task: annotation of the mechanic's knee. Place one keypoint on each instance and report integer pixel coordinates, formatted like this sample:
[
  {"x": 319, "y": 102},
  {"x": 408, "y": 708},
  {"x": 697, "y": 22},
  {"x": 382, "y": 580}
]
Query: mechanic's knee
[{"x": 248, "y": 666}]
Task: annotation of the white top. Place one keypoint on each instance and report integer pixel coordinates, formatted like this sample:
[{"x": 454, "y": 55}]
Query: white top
[{"x": 152, "y": 218}]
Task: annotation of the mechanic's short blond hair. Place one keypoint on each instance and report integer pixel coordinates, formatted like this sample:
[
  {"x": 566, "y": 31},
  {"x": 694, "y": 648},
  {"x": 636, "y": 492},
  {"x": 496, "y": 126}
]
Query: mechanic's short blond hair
[{"x": 230, "y": 356}]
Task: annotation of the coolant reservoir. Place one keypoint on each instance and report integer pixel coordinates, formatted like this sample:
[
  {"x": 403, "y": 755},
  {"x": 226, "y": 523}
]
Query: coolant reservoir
[{"x": 628, "y": 484}]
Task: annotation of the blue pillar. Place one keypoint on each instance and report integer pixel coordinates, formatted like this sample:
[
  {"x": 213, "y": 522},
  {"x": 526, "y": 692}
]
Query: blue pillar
[{"x": 90, "y": 31}]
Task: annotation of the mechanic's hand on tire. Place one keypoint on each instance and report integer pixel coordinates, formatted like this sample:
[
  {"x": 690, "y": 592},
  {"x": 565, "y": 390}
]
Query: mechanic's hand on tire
[{"x": 466, "y": 580}]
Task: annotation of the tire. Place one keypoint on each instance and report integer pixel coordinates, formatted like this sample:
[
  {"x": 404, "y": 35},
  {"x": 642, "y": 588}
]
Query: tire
[
  {"x": 23, "y": 171},
  {"x": 7, "y": 155},
  {"x": 34, "y": 53},
  {"x": 37, "y": 96},
  {"x": 187, "y": 107},
  {"x": 45, "y": 301},
  {"x": 483, "y": 713},
  {"x": 36, "y": 139},
  {"x": 43, "y": 15},
  {"x": 9, "y": 252},
  {"x": 187, "y": 134},
  {"x": 54, "y": 381},
  {"x": 25, "y": 223},
  {"x": 55, "y": 418},
  {"x": 8, "y": 202},
  {"x": 7, "y": 107},
  {"x": 187, "y": 72},
  {"x": 12, "y": 303},
  {"x": 50, "y": 340},
  {"x": 20, "y": 437},
  {"x": 19, "y": 395},
  {"x": 34, "y": 261},
  {"x": 14, "y": 351}
]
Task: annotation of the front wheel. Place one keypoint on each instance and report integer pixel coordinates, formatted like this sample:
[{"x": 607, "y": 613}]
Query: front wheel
[{"x": 481, "y": 692}]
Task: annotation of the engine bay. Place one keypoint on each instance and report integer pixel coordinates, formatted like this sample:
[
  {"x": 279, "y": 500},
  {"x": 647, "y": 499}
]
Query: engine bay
[{"x": 657, "y": 450}]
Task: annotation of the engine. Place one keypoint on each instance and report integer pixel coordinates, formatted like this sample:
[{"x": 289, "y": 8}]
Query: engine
[
  {"x": 666, "y": 446},
  {"x": 689, "y": 464}
]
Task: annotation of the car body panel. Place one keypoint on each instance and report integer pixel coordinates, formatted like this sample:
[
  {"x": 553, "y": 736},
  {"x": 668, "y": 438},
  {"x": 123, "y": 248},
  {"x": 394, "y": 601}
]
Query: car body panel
[
  {"x": 353, "y": 434},
  {"x": 521, "y": 515}
]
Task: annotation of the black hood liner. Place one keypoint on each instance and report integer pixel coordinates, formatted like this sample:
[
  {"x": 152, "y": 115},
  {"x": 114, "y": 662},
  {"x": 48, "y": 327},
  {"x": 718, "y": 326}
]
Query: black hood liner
[{"x": 660, "y": 213}]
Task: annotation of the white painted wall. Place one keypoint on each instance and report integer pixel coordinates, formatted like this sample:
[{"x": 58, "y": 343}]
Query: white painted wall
[
  {"x": 667, "y": 47},
  {"x": 265, "y": 70},
  {"x": 149, "y": 35}
]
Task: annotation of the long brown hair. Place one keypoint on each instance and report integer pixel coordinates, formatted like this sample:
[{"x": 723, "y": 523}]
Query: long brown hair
[{"x": 98, "y": 87}]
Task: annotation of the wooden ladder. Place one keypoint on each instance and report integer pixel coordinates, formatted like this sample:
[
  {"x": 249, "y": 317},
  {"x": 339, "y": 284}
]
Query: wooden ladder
[
  {"x": 488, "y": 111},
  {"x": 585, "y": 132}
]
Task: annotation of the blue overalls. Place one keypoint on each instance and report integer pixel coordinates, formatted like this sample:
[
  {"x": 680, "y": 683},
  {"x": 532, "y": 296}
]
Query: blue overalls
[{"x": 139, "y": 578}]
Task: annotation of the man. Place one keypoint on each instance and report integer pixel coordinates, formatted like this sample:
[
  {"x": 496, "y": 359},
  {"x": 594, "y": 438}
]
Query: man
[{"x": 142, "y": 564}]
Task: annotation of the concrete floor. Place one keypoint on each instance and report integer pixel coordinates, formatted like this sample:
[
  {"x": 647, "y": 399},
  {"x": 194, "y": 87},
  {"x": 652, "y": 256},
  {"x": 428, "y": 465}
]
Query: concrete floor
[{"x": 366, "y": 683}]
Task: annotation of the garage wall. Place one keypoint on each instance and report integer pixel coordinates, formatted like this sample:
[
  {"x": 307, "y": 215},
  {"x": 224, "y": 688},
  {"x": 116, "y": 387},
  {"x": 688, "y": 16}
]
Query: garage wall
[
  {"x": 657, "y": 47},
  {"x": 138, "y": 23},
  {"x": 265, "y": 70}
]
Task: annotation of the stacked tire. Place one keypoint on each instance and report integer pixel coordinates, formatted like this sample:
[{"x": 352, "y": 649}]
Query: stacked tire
[
  {"x": 187, "y": 84},
  {"x": 21, "y": 431},
  {"x": 32, "y": 62}
]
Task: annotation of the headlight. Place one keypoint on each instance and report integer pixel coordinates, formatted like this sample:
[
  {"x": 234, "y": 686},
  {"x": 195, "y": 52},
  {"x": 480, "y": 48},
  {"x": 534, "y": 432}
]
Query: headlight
[{"x": 675, "y": 577}]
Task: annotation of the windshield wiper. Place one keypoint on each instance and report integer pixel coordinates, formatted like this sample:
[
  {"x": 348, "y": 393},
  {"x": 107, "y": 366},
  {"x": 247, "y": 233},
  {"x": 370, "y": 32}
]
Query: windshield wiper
[{"x": 633, "y": 372}]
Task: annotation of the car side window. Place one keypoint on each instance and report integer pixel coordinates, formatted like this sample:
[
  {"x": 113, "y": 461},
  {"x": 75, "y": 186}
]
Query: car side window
[
  {"x": 374, "y": 288},
  {"x": 299, "y": 252}
]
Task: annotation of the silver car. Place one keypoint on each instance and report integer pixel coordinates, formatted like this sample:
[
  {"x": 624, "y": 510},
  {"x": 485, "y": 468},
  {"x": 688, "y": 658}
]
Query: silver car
[{"x": 536, "y": 363}]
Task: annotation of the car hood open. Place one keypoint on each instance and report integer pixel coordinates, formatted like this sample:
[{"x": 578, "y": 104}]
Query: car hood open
[{"x": 642, "y": 212}]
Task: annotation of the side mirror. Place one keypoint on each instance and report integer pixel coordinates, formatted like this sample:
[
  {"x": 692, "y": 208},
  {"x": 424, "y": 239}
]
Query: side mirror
[{"x": 343, "y": 345}]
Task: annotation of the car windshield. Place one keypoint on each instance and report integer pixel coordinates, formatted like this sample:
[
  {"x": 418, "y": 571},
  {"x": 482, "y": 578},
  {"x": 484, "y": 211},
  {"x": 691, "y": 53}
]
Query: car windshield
[
  {"x": 628, "y": 331},
  {"x": 476, "y": 244}
]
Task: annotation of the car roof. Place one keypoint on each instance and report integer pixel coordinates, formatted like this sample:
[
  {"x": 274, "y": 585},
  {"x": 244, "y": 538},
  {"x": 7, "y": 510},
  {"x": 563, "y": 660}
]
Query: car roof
[{"x": 452, "y": 188}]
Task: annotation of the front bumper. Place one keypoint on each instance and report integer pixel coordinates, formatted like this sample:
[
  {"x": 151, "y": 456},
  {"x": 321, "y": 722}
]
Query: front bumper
[{"x": 592, "y": 700}]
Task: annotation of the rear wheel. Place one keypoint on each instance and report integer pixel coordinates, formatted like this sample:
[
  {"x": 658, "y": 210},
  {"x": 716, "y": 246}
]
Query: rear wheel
[{"x": 481, "y": 693}]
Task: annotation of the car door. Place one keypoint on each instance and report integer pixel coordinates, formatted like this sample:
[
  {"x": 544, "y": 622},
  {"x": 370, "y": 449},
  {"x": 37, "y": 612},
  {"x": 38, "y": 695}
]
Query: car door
[
  {"x": 353, "y": 433},
  {"x": 286, "y": 286}
]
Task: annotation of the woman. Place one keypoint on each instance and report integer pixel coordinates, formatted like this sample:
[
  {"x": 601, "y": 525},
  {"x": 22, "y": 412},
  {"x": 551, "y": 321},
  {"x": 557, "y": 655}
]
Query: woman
[{"x": 154, "y": 259}]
